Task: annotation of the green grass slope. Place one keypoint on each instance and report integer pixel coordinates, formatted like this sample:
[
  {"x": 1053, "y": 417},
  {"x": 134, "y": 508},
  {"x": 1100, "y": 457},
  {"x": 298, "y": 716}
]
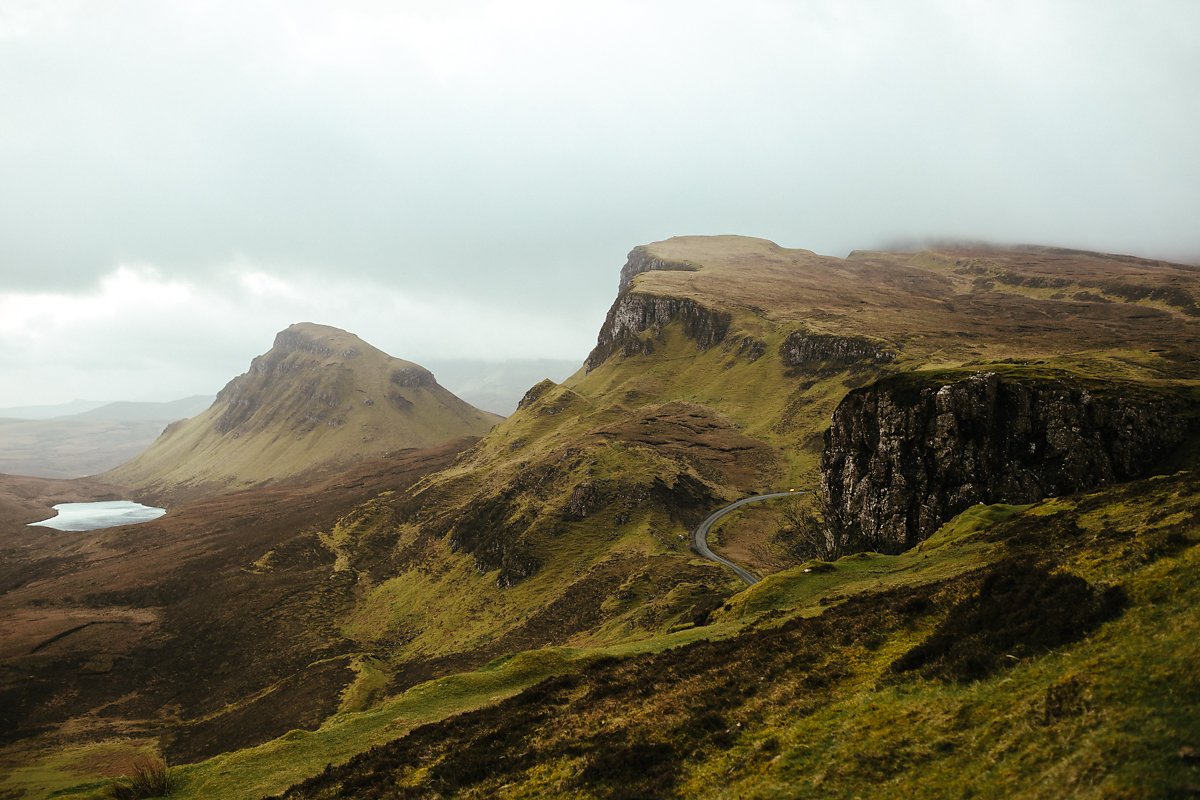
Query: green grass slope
[
  {"x": 1024, "y": 652},
  {"x": 805, "y": 686},
  {"x": 592, "y": 482}
]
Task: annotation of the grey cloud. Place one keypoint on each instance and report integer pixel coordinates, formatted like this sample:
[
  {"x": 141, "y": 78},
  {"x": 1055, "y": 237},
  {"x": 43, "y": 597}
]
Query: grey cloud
[
  {"x": 140, "y": 130},
  {"x": 513, "y": 152}
]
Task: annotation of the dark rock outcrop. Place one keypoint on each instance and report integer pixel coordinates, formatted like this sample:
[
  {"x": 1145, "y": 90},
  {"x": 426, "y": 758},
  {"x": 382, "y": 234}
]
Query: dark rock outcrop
[
  {"x": 635, "y": 313},
  {"x": 750, "y": 348},
  {"x": 296, "y": 341},
  {"x": 487, "y": 530},
  {"x": 536, "y": 392},
  {"x": 584, "y": 499},
  {"x": 907, "y": 453},
  {"x": 806, "y": 349},
  {"x": 413, "y": 377}
]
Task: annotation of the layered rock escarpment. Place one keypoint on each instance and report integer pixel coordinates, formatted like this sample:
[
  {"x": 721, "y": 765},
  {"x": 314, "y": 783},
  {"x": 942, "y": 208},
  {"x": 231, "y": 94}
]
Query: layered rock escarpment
[
  {"x": 634, "y": 313},
  {"x": 907, "y": 453},
  {"x": 803, "y": 348}
]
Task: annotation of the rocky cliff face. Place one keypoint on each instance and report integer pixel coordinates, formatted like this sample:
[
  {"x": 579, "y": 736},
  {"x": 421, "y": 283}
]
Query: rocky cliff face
[
  {"x": 903, "y": 456},
  {"x": 805, "y": 349},
  {"x": 535, "y": 392},
  {"x": 317, "y": 394},
  {"x": 634, "y": 313}
]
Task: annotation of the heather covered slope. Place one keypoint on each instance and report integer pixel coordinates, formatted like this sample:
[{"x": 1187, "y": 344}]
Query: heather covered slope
[
  {"x": 320, "y": 398},
  {"x": 216, "y": 626},
  {"x": 716, "y": 375},
  {"x": 1024, "y": 652}
]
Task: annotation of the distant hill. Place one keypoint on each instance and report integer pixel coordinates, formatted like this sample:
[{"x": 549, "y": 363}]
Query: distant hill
[
  {"x": 127, "y": 411},
  {"x": 71, "y": 447},
  {"x": 50, "y": 411},
  {"x": 75, "y": 444},
  {"x": 498, "y": 386},
  {"x": 319, "y": 398}
]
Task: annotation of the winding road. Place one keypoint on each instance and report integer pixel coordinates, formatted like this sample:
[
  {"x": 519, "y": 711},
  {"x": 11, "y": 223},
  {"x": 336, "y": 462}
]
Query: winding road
[{"x": 700, "y": 535}]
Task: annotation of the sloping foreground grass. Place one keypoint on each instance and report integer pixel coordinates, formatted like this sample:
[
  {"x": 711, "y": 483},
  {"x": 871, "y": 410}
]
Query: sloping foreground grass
[
  {"x": 810, "y": 588},
  {"x": 267, "y": 768},
  {"x": 1110, "y": 717},
  {"x": 785, "y": 699},
  {"x": 1070, "y": 673},
  {"x": 271, "y": 767}
]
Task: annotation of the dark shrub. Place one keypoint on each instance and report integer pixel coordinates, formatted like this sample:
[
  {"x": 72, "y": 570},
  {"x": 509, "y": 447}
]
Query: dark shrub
[
  {"x": 1019, "y": 610},
  {"x": 620, "y": 771},
  {"x": 151, "y": 778}
]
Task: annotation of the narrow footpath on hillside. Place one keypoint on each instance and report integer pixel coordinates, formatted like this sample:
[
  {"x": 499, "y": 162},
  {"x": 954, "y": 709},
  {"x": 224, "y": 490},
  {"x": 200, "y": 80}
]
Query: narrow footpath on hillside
[{"x": 700, "y": 535}]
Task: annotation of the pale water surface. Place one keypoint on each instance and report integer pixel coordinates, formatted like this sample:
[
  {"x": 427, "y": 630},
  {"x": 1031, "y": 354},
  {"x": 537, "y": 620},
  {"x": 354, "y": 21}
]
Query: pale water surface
[{"x": 106, "y": 514}]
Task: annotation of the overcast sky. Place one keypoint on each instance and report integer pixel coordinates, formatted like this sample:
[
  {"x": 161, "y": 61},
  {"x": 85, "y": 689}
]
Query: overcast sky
[{"x": 180, "y": 180}]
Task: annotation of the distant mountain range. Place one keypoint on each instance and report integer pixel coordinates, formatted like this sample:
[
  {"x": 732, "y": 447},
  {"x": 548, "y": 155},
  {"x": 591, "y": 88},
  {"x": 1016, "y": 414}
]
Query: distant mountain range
[
  {"x": 84, "y": 437},
  {"x": 121, "y": 410},
  {"x": 128, "y": 411},
  {"x": 51, "y": 411}
]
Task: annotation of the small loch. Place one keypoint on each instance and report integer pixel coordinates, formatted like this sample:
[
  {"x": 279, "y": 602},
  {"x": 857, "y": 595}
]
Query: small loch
[{"x": 105, "y": 514}]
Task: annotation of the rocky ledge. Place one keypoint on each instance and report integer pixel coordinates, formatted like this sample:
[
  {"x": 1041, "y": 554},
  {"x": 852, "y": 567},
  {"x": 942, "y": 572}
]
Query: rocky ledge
[
  {"x": 803, "y": 348},
  {"x": 908, "y": 453},
  {"x": 635, "y": 313}
]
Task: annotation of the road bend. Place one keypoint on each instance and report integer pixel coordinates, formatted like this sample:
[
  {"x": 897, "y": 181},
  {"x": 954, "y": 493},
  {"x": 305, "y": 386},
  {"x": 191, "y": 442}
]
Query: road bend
[{"x": 700, "y": 535}]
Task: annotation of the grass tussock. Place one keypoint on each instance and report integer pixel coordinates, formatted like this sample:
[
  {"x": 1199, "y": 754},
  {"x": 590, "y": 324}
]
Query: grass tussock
[{"x": 149, "y": 777}]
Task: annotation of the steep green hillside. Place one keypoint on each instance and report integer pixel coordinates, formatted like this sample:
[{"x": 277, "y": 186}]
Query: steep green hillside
[
  {"x": 1021, "y": 652},
  {"x": 715, "y": 375}
]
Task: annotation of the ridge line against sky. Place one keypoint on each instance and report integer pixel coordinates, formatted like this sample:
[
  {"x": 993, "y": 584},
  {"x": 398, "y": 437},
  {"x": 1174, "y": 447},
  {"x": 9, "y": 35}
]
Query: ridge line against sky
[{"x": 463, "y": 179}]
